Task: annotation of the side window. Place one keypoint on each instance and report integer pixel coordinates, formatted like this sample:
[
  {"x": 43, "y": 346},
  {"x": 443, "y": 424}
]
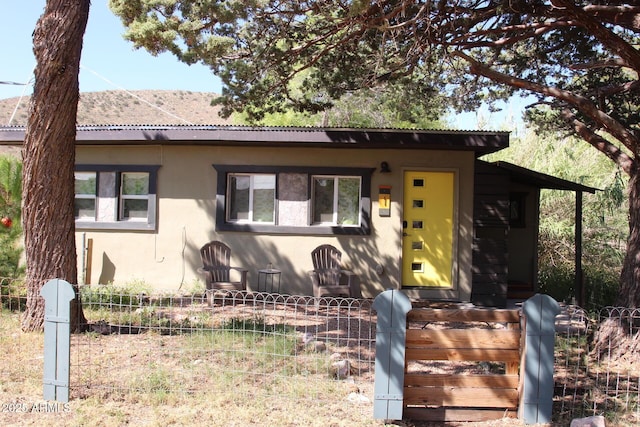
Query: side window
[
  {"x": 336, "y": 200},
  {"x": 251, "y": 198},
  {"x": 85, "y": 199},
  {"x": 116, "y": 197},
  {"x": 134, "y": 196}
]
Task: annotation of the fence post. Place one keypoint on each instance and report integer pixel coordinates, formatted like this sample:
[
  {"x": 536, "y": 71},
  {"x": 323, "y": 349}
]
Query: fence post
[
  {"x": 391, "y": 308},
  {"x": 536, "y": 405},
  {"x": 57, "y": 294}
]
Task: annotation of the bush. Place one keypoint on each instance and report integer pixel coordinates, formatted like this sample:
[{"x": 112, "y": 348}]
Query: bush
[
  {"x": 10, "y": 212},
  {"x": 132, "y": 294},
  {"x": 557, "y": 282},
  {"x": 601, "y": 286}
]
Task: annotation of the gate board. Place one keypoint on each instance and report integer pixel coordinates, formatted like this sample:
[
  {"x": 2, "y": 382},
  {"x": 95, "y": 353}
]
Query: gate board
[{"x": 475, "y": 335}]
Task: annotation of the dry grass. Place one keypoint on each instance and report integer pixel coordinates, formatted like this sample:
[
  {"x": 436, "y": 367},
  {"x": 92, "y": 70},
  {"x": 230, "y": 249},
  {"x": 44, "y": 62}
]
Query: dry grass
[
  {"x": 115, "y": 107},
  {"x": 145, "y": 376},
  {"x": 140, "y": 371}
]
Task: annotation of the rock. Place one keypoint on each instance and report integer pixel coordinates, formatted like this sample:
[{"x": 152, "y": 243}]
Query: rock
[
  {"x": 101, "y": 327},
  {"x": 341, "y": 369},
  {"x": 595, "y": 421},
  {"x": 306, "y": 338},
  {"x": 358, "y": 398},
  {"x": 317, "y": 346}
]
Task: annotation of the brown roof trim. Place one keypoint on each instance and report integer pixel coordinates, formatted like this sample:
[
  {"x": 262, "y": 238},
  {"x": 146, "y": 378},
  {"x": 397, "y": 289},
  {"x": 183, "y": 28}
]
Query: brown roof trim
[
  {"x": 541, "y": 180},
  {"x": 480, "y": 142}
]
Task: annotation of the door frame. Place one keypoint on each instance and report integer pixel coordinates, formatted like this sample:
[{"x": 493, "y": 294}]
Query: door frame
[{"x": 452, "y": 293}]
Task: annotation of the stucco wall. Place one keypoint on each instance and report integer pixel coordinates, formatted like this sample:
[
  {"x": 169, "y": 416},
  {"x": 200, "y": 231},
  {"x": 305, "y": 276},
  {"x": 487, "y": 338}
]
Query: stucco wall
[{"x": 168, "y": 258}]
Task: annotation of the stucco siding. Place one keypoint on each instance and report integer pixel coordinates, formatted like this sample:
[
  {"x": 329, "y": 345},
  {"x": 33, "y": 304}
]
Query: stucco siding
[{"x": 168, "y": 257}]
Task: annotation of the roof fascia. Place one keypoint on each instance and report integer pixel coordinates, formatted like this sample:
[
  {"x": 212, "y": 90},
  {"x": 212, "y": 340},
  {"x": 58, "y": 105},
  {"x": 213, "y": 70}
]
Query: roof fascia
[
  {"x": 542, "y": 180},
  {"x": 480, "y": 142}
]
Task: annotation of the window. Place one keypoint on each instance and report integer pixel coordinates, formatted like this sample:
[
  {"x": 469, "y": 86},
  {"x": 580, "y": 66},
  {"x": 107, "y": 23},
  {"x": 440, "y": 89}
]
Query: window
[
  {"x": 134, "y": 196},
  {"x": 336, "y": 200},
  {"x": 85, "y": 200},
  {"x": 293, "y": 200},
  {"x": 115, "y": 197},
  {"x": 251, "y": 198}
]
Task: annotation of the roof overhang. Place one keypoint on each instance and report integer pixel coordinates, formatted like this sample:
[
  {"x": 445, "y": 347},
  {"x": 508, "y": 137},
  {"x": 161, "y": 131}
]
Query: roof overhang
[
  {"x": 541, "y": 180},
  {"x": 480, "y": 142}
]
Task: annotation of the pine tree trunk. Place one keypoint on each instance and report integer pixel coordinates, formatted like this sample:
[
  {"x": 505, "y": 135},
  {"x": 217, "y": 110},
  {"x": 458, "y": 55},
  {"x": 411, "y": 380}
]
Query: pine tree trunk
[
  {"x": 49, "y": 156},
  {"x": 629, "y": 292}
]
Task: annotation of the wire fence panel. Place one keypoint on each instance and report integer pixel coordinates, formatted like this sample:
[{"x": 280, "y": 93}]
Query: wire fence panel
[
  {"x": 597, "y": 363},
  {"x": 572, "y": 383},
  {"x": 246, "y": 347},
  {"x": 289, "y": 359},
  {"x": 615, "y": 355}
]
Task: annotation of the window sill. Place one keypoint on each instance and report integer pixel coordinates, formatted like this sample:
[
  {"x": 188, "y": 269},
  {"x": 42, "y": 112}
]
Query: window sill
[
  {"x": 120, "y": 225},
  {"x": 279, "y": 229}
]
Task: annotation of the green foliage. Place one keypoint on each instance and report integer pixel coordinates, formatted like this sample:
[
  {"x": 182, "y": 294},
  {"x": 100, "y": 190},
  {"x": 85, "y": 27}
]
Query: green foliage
[
  {"x": 10, "y": 254},
  {"x": 10, "y": 207},
  {"x": 10, "y": 186},
  {"x": 131, "y": 294},
  {"x": 388, "y": 107},
  {"x": 600, "y": 286}
]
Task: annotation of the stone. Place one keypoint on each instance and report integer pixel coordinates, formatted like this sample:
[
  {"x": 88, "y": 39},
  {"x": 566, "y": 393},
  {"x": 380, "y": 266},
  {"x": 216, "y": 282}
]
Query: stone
[
  {"x": 358, "y": 398},
  {"x": 306, "y": 338},
  {"x": 341, "y": 369},
  {"x": 594, "y": 421},
  {"x": 317, "y": 346}
]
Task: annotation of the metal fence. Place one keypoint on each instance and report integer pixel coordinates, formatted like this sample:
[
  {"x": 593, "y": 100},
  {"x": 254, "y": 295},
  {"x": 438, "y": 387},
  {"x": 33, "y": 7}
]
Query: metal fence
[
  {"x": 299, "y": 353},
  {"x": 289, "y": 347},
  {"x": 597, "y": 365}
]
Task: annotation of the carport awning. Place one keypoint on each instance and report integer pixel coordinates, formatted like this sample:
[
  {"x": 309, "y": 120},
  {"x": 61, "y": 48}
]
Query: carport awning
[{"x": 541, "y": 180}]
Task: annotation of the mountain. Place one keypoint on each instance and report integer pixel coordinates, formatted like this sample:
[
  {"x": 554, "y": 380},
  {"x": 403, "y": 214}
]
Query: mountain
[{"x": 118, "y": 107}]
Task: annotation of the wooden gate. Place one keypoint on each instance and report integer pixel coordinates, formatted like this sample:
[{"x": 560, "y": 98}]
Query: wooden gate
[{"x": 487, "y": 389}]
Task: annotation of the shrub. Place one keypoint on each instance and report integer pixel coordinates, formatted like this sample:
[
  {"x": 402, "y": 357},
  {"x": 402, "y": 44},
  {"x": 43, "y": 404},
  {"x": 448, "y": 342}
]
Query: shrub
[
  {"x": 601, "y": 285},
  {"x": 10, "y": 212}
]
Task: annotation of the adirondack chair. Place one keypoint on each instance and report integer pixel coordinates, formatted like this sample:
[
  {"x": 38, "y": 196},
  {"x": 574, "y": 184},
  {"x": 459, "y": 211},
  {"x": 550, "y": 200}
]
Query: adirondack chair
[
  {"x": 328, "y": 278},
  {"x": 216, "y": 258}
]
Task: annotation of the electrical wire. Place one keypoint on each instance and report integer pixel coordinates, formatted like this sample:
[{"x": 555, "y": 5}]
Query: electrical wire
[{"x": 136, "y": 96}]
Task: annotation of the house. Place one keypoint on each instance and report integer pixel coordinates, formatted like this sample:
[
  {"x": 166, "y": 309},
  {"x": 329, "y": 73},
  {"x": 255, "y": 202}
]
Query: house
[{"x": 409, "y": 209}]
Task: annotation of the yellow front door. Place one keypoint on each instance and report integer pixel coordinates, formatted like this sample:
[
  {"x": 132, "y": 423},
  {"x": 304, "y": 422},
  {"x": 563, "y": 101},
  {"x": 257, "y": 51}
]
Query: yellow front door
[{"x": 427, "y": 242}]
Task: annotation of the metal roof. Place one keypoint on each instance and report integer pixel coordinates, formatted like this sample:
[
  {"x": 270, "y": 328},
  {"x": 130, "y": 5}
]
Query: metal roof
[
  {"x": 481, "y": 142},
  {"x": 541, "y": 180}
]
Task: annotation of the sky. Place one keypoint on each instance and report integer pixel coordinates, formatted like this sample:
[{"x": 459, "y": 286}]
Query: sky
[{"x": 108, "y": 61}]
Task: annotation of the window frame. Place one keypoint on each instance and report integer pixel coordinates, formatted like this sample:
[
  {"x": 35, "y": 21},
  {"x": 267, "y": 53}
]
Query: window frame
[
  {"x": 336, "y": 198},
  {"x": 103, "y": 193},
  {"x": 123, "y": 197},
  {"x": 364, "y": 228},
  {"x": 87, "y": 196},
  {"x": 251, "y": 210}
]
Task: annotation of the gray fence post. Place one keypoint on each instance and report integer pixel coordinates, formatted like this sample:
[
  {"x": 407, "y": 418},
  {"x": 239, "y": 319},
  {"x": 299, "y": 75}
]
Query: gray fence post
[
  {"x": 57, "y": 294},
  {"x": 540, "y": 312},
  {"x": 391, "y": 308}
]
